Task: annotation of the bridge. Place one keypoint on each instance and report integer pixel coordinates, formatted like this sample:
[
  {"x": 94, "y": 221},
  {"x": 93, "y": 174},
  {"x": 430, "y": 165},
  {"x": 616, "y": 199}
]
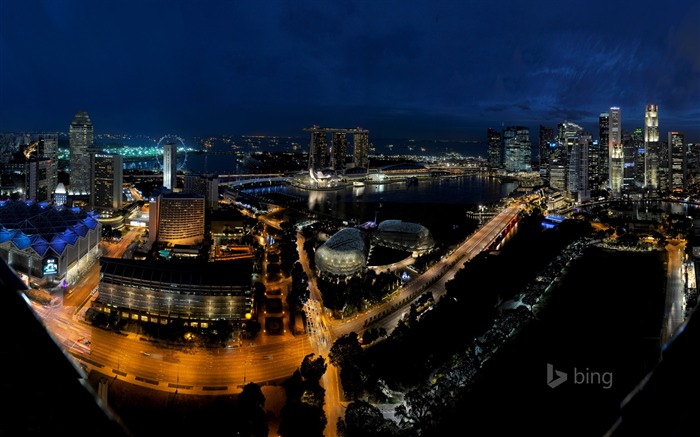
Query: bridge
[{"x": 256, "y": 182}]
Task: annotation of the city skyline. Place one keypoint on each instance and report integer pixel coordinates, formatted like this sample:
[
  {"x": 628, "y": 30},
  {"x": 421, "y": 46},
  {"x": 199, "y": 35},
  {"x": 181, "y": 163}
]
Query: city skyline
[{"x": 419, "y": 70}]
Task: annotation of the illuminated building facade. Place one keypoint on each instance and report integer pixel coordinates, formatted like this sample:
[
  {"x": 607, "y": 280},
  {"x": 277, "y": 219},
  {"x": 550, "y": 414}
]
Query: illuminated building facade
[
  {"x": 603, "y": 146},
  {"x": 48, "y": 148},
  {"x": 360, "y": 151},
  {"x": 677, "y": 161},
  {"x": 321, "y": 156},
  {"x": 545, "y": 140},
  {"x": 46, "y": 243},
  {"x": 616, "y": 153},
  {"x": 401, "y": 235},
  {"x": 205, "y": 184},
  {"x": 339, "y": 150},
  {"x": 493, "y": 137},
  {"x": 651, "y": 148},
  {"x": 517, "y": 149},
  {"x": 345, "y": 253},
  {"x": 180, "y": 218},
  {"x": 81, "y": 138},
  {"x": 107, "y": 177},
  {"x": 38, "y": 177},
  {"x": 196, "y": 293},
  {"x": 170, "y": 166},
  {"x": 575, "y": 141}
]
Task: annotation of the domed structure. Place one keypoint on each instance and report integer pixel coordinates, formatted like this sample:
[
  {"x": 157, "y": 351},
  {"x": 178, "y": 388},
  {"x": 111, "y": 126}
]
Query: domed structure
[
  {"x": 345, "y": 253},
  {"x": 401, "y": 235}
]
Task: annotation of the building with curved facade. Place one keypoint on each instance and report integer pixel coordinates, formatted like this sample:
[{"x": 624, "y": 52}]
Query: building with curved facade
[
  {"x": 401, "y": 235},
  {"x": 159, "y": 292},
  {"x": 46, "y": 244},
  {"x": 345, "y": 253}
]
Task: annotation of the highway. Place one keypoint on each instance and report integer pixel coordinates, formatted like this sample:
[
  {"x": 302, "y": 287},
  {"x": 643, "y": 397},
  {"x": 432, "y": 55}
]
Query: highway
[{"x": 675, "y": 298}]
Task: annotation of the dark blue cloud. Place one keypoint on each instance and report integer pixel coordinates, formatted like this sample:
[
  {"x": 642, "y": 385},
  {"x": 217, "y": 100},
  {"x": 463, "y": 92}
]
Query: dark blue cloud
[{"x": 418, "y": 68}]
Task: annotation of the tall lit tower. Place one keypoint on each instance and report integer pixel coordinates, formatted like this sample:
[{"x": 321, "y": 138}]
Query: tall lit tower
[
  {"x": 339, "y": 150},
  {"x": 517, "y": 149},
  {"x": 677, "y": 161},
  {"x": 170, "y": 166},
  {"x": 48, "y": 148},
  {"x": 81, "y": 137},
  {"x": 318, "y": 149},
  {"x": 107, "y": 180},
  {"x": 546, "y": 140},
  {"x": 604, "y": 153},
  {"x": 573, "y": 139},
  {"x": 651, "y": 148},
  {"x": 615, "y": 151},
  {"x": 494, "y": 147},
  {"x": 360, "y": 151}
]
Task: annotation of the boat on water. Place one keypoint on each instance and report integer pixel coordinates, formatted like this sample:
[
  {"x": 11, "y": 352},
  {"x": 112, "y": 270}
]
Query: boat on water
[{"x": 358, "y": 184}]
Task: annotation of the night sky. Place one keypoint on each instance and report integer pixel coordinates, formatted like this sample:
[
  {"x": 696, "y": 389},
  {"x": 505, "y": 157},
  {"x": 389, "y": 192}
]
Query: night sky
[{"x": 421, "y": 69}]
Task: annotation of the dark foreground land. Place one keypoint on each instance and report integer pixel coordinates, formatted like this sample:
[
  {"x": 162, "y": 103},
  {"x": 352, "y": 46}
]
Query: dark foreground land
[
  {"x": 148, "y": 412},
  {"x": 601, "y": 327}
]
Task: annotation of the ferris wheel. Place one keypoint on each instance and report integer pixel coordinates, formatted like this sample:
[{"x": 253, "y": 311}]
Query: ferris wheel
[{"x": 181, "y": 150}]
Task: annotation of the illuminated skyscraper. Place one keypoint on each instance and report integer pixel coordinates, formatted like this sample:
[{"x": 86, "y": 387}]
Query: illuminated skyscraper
[
  {"x": 81, "y": 137},
  {"x": 107, "y": 180},
  {"x": 360, "y": 151},
  {"x": 677, "y": 161},
  {"x": 339, "y": 150},
  {"x": 546, "y": 139},
  {"x": 494, "y": 148},
  {"x": 603, "y": 146},
  {"x": 318, "y": 150},
  {"x": 617, "y": 157},
  {"x": 48, "y": 148},
  {"x": 38, "y": 179},
  {"x": 170, "y": 166},
  {"x": 651, "y": 148},
  {"x": 205, "y": 184},
  {"x": 517, "y": 149},
  {"x": 573, "y": 139}
]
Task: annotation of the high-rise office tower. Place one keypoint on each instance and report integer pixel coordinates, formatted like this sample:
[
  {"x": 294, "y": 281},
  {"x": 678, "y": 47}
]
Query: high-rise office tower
[
  {"x": 651, "y": 148},
  {"x": 81, "y": 137},
  {"x": 637, "y": 138},
  {"x": 517, "y": 149},
  {"x": 205, "y": 184},
  {"x": 604, "y": 152},
  {"x": 593, "y": 164},
  {"x": 546, "y": 139},
  {"x": 617, "y": 156},
  {"x": 170, "y": 166},
  {"x": 48, "y": 148},
  {"x": 339, "y": 150},
  {"x": 38, "y": 179},
  {"x": 107, "y": 177},
  {"x": 360, "y": 150},
  {"x": 493, "y": 138},
  {"x": 576, "y": 143},
  {"x": 677, "y": 161}
]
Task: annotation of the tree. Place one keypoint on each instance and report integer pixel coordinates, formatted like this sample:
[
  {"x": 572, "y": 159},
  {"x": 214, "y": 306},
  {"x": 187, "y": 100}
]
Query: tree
[
  {"x": 313, "y": 369},
  {"x": 345, "y": 350},
  {"x": 251, "y": 414},
  {"x": 302, "y": 420},
  {"x": 363, "y": 419}
]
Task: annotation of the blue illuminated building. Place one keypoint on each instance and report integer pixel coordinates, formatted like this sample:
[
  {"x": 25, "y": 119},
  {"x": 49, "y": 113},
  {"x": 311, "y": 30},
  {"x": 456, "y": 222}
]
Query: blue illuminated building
[{"x": 46, "y": 244}]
